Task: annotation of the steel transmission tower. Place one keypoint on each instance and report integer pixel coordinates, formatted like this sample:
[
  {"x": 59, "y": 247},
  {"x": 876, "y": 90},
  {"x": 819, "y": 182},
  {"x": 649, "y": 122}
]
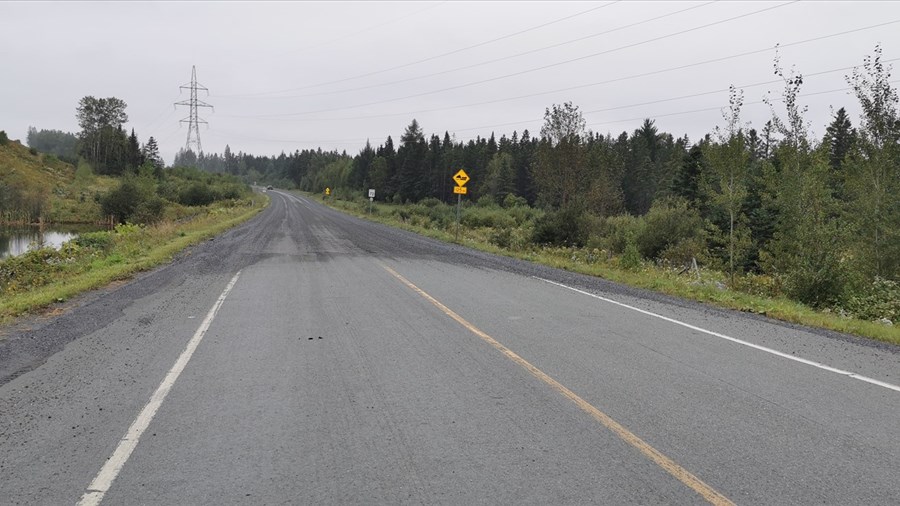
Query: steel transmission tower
[{"x": 193, "y": 120}]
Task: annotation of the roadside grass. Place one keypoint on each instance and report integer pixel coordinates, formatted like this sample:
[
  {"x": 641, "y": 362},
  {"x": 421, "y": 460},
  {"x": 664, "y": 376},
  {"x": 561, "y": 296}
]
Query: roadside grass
[
  {"x": 703, "y": 285},
  {"x": 43, "y": 277}
]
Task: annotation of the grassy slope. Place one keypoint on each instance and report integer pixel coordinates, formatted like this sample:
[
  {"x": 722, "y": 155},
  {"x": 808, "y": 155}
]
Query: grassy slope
[
  {"x": 70, "y": 192},
  {"x": 648, "y": 277}
]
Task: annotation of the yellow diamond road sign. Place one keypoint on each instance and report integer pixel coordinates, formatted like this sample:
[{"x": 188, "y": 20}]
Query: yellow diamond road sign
[{"x": 461, "y": 177}]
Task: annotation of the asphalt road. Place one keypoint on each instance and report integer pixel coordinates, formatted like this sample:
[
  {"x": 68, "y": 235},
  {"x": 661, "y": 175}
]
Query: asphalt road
[{"x": 308, "y": 357}]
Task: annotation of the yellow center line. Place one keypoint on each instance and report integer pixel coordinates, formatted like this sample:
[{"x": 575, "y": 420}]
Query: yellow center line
[{"x": 680, "y": 473}]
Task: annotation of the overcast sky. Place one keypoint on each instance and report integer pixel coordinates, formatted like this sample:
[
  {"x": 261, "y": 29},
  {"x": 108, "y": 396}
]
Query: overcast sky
[{"x": 293, "y": 75}]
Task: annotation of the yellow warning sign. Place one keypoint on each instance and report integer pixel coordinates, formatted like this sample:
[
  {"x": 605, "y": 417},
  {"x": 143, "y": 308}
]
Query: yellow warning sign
[
  {"x": 461, "y": 178},
  {"x": 460, "y": 190}
]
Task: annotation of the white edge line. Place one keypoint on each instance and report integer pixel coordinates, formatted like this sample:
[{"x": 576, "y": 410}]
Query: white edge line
[
  {"x": 104, "y": 479},
  {"x": 732, "y": 339}
]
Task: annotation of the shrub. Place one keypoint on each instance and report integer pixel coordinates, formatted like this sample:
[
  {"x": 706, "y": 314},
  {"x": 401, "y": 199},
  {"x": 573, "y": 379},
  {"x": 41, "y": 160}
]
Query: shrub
[
  {"x": 486, "y": 217},
  {"x": 122, "y": 202},
  {"x": 631, "y": 257},
  {"x": 99, "y": 241},
  {"x": 431, "y": 202},
  {"x": 513, "y": 201},
  {"x": 683, "y": 251},
  {"x": 197, "y": 194},
  {"x": 4, "y": 139},
  {"x": 486, "y": 201},
  {"x": 501, "y": 238},
  {"x": 613, "y": 233},
  {"x": 566, "y": 227},
  {"x": 231, "y": 191},
  {"x": 668, "y": 223},
  {"x": 149, "y": 211},
  {"x": 442, "y": 215},
  {"x": 881, "y": 299}
]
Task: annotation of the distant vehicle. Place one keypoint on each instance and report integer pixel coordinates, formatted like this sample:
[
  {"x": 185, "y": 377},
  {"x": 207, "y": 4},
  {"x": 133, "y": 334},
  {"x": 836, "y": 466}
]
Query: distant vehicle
[{"x": 269, "y": 187}]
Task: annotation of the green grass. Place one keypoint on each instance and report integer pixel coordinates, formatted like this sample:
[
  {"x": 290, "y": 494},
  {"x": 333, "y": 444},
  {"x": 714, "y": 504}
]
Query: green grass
[
  {"x": 132, "y": 249},
  {"x": 67, "y": 192},
  {"x": 709, "y": 288}
]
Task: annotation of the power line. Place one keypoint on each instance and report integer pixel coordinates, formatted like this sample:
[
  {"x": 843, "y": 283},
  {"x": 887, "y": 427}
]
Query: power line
[
  {"x": 708, "y": 109},
  {"x": 430, "y": 58},
  {"x": 495, "y": 60},
  {"x": 543, "y": 67},
  {"x": 673, "y": 99},
  {"x": 581, "y": 86},
  {"x": 369, "y": 28},
  {"x": 642, "y": 117}
]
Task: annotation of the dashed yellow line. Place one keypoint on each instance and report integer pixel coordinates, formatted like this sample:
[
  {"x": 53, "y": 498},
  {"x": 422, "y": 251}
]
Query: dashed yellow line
[{"x": 678, "y": 472}]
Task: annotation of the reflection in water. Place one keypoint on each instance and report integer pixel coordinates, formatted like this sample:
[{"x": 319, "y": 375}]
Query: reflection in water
[{"x": 15, "y": 241}]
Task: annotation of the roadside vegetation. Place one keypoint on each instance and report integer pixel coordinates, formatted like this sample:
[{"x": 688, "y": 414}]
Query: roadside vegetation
[
  {"x": 45, "y": 276},
  {"x": 618, "y": 249},
  {"x": 143, "y": 212}
]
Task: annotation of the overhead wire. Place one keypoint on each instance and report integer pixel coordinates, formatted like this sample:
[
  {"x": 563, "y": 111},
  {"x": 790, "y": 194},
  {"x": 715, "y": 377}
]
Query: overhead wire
[
  {"x": 495, "y": 60},
  {"x": 423, "y": 60},
  {"x": 344, "y": 37},
  {"x": 709, "y": 109},
  {"x": 673, "y": 99},
  {"x": 580, "y": 86},
  {"x": 536, "y": 69}
]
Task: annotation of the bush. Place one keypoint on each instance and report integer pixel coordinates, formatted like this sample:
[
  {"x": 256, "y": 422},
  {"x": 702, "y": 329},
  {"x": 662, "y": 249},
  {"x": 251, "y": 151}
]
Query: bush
[
  {"x": 668, "y": 223},
  {"x": 231, "y": 191},
  {"x": 122, "y": 202},
  {"x": 881, "y": 299},
  {"x": 566, "y": 227},
  {"x": 486, "y": 201},
  {"x": 197, "y": 194},
  {"x": 4, "y": 140},
  {"x": 683, "y": 251},
  {"x": 486, "y": 217},
  {"x": 501, "y": 238},
  {"x": 614, "y": 233},
  {"x": 430, "y": 202},
  {"x": 98, "y": 241},
  {"x": 150, "y": 210},
  {"x": 511, "y": 201},
  {"x": 631, "y": 257}
]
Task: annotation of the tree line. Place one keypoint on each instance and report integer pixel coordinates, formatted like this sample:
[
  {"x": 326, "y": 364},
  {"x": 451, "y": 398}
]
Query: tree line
[{"x": 102, "y": 141}]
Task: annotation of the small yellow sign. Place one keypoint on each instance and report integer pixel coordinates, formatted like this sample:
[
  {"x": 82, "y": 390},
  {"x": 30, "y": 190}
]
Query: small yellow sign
[
  {"x": 460, "y": 190},
  {"x": 327, "y": 191},
  {"x": 461, "y": 178}
]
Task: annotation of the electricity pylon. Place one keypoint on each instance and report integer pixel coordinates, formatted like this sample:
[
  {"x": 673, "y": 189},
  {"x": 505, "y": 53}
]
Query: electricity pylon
[{"x": 193, "y": 120}]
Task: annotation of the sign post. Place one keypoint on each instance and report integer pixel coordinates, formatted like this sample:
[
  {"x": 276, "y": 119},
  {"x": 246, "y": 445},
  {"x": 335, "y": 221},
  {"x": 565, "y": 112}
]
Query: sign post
[
  {"x": 461, "y": 178},
  {"x": 371, "y": 198}
]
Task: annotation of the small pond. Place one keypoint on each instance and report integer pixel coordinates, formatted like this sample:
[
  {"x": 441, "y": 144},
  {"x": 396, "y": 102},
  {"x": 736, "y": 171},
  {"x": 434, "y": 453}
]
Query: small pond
[{"x": 17, "y": 240}]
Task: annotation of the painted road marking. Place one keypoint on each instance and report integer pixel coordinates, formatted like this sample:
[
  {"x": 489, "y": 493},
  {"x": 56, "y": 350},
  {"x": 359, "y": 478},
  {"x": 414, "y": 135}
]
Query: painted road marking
[
  {"x": 824, "y": 367},
  {"x": 678, "y": 472},
  {"x": 104, "y": 479}
]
